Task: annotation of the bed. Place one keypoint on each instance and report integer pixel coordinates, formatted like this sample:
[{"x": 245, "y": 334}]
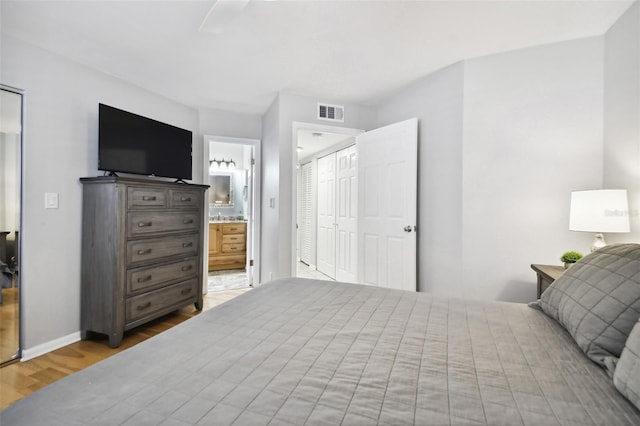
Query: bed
[{"x": 297, "y": 351}]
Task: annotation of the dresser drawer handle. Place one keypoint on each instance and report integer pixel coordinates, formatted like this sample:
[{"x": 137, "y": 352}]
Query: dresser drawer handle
[
  {"x": 144, "y": 279},
  {"x": 144, "y": 224},
  {"x": 233, "y": 229},
  {"x": 147, "y": 251},
  {"x": 185, "y": 199},
  {"x": 149, "y": 198},
  {"x": 187, "y": 221},
  {"x": 233, "y": 247},
  {"x": 185, "y": 245},
  {"x": 187, "y": 267},
  {"x": 186, "y": 291},
  {"x": 143, "y": 307}
]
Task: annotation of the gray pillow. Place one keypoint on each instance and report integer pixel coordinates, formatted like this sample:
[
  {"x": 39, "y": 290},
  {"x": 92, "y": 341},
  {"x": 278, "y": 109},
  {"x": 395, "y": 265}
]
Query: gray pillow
[
  {"x": 627, "y": 374},
  {"x": 598, "y": 301}
]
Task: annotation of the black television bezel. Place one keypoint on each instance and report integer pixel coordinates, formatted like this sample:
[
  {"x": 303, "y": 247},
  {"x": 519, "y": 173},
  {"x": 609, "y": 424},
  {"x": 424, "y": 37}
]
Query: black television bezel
[{"x": 148, "y": 173}]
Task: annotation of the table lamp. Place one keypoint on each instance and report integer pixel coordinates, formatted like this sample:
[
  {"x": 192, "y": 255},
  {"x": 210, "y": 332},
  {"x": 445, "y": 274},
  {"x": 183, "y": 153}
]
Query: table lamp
[{"x": 599, "y": 211}]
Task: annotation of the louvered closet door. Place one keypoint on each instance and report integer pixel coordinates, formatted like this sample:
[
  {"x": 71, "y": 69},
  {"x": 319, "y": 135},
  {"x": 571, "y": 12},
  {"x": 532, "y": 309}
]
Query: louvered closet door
[{"x": 307, "y": 220}]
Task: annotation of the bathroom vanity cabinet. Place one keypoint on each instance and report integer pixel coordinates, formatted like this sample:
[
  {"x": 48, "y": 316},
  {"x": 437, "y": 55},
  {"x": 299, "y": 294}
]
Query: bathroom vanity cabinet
[{"x": 227, "y": 245}]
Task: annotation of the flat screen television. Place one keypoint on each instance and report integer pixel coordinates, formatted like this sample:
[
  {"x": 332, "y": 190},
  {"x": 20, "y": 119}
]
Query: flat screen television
[{"x": 130, "y": 143}]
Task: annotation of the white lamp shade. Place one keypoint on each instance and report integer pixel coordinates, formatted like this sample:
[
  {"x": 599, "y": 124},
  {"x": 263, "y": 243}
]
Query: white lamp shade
[{"x": 603, "y": 210}]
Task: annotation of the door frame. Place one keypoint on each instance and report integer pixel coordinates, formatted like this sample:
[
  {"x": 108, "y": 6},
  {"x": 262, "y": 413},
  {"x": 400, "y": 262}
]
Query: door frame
[
  {"x": 18, "y": 244},
  {"x": 253, "y": 243},
  {"x": 295, "y": 127}
]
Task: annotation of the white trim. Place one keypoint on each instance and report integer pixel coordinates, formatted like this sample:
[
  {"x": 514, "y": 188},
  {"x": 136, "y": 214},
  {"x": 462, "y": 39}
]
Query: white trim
[{"x": 49, "y": 346}]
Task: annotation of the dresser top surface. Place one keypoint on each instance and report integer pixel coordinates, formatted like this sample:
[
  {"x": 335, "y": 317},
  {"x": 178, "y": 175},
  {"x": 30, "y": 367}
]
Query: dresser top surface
[{"x": 140, "y": 181}]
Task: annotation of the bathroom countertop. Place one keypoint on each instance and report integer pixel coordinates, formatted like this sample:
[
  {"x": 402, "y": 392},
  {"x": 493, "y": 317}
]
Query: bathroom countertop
[{"x": 226, "y": 221}]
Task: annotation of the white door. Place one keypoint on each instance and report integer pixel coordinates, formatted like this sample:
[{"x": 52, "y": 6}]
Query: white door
[
  {"x": 249, "y": 193},
  {"x": 387, "y": 205},
  {"x": 251, "y": 225},
  {"x": 347, "y": 214},
  {"x": 326, "y": 255}
]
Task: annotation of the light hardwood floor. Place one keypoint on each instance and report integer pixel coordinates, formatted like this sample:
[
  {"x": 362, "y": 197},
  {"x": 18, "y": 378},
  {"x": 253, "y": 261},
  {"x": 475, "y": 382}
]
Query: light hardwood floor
[
  {"x": 9, "y": 323},
  {"x": 20, "y": 379}
]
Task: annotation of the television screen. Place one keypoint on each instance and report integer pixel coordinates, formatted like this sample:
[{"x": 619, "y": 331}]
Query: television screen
[{"x": 130, "y": 143}]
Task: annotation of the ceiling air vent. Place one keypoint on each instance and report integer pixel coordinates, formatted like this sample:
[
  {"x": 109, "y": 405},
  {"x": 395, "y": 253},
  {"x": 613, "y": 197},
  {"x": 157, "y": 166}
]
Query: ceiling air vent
[{"x": 330, "y": 112}]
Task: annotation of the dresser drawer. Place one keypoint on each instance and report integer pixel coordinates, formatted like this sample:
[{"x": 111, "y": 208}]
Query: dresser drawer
[
  {"x": 154, "y": 249},
  {"x": 185, "y": 198},
  {"x": 234, "y": 228},
  {"x": 233, "y": 248},
  {"x": 146, "y": 198},
  {"x": 142, "y": 279},
  {"x": 233, "y": 239},
  {"x": 145, "y": 223},
  {"x": 227, "y": 262},
  {"x": 155, "y": 301}
]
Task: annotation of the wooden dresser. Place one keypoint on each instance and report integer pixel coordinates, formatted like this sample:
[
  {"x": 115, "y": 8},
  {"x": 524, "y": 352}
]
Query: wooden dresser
[
  {"x": 142, "y": 246},
  {"x": 227, "y": 245}
]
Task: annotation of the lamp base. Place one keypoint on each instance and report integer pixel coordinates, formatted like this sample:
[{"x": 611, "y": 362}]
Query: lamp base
[{"x": 598, "y": 242}]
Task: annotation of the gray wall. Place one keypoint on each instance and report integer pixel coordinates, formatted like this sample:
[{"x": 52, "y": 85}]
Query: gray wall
[
  {"x": 532, "y": 134},
  {"x": 279, "y": 173},
  {"x": 224, "y": 123},
  {"x": 622, "y": 115},
  {"x": 61, "y": 145},
  {"x": 504, "y": 139},
  {"x": 437, "y": 101}
]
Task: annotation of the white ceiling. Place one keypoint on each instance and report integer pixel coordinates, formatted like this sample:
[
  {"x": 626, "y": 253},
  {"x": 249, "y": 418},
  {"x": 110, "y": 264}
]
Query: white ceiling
[
  {"x": 311, "y": 142},
  {"x": 336, "y": 51}
]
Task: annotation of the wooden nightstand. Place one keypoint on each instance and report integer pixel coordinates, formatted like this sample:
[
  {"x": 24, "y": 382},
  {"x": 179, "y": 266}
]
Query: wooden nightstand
[{"x": 546, "y": 275}]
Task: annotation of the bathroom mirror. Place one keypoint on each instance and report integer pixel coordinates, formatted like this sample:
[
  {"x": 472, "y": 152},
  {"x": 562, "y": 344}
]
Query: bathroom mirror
[
  {"x": 10, "y": 190},
  {"x": 221, "y": 190}
]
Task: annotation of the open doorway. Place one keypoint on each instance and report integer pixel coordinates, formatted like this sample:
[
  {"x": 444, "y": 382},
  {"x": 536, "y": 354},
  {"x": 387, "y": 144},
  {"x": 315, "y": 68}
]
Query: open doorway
[
  {"x": 374, "y": 186},
  {"x": 326, "y": 187},
  {"x": 232, "y": 173}
]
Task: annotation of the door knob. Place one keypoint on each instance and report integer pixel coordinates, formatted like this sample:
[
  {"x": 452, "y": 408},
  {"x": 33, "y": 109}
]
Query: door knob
[{"x": 407, "y": 228}]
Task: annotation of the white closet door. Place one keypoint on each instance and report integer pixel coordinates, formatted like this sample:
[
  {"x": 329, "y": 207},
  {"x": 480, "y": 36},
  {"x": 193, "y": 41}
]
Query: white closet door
[
  {"x": 387, "y": 205},
  {"x": 326, "y": 255},
  {"x": 307, "y": 220},
  {"x": 347, "y": 215}
]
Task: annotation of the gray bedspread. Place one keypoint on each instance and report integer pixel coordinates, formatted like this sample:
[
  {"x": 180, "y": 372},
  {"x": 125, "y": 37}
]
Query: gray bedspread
[{"x": 297, "y": 352}]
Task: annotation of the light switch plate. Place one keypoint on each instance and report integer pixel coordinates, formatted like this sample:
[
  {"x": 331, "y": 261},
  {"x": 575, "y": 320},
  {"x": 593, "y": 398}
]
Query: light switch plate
[{"x": 50, "y": 200}]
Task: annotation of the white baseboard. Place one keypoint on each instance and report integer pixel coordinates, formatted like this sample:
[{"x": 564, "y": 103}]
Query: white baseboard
[{"x": 49, "y": 346}]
